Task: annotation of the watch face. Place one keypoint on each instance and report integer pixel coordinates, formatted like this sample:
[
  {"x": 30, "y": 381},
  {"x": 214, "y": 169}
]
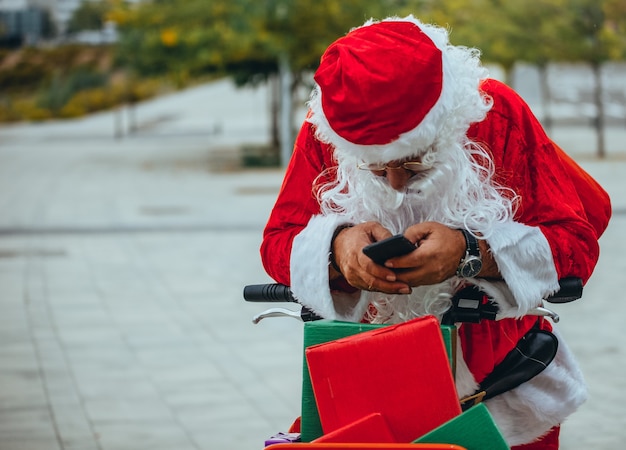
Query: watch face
[{"x": 471, "y": 267}]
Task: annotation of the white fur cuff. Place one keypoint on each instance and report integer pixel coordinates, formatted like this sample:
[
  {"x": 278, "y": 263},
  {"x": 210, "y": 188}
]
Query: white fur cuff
[
  {"x": 309, "y": 272},
  {"x": 524, "y": 258}
]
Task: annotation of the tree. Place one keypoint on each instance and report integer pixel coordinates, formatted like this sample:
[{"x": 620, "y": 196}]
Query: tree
[
  {"x": 595, "y": 36},
  {"x": 248, "y": 40},
  {"x": 90, "y": 15},
  {"x": 281, "y": 41},
  {"x": 540, "y": 32},
  {"x": 292, "y": 35}
]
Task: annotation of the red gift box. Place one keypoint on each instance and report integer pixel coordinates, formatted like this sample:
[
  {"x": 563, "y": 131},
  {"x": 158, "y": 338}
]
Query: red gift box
[
  {"x": 372, "y": 428},
  {"x": 401, "y": 372}
]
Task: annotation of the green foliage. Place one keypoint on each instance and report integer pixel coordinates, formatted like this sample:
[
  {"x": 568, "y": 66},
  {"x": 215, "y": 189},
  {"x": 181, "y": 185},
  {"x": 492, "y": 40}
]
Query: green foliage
[
  {"x": 242, "y": 38},
  {"x": 537, "y": 31},
  {"x": 47, "y": 104},
  {"x": 67, "y": 81},
  {"x": 246, "y": 38},
  {"x": 181, "y": 39},
  {"x": 61, "y": 90},
  {"x": 90, "y": 15},
  {"x": 23, "y": 75},
  {"x": 30, "y": 68}
]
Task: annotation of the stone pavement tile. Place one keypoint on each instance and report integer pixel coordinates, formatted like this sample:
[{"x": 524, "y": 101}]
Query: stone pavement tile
[
  {"x": 213, "y": 393},
  {"x": 234, "y": 417},
  {"x": 62, "y": 391},
  {"x": 142, "y": 435},
  {"x": 65, "y": 298},
  {"x": 248, "y": 435},
  {"x": 215, "y": 416},
  {"x": 95, "y": 386},
  {"x": 32, "y": 443},
  {"x": 104, "y": 334},
  {"x": 73, "y": 427},
  {"x": 79, "y": 317},
  {"x": 109, "y": 409},
  {"x": 56, "y": 374},
  {"x": 136, "y": 314},
  {"x": 19, "y": 373},
  {"x": 156, "y": 358},
  {"x": 79, "y": 443},
  {"x": 20, "y": 388},
  {"x": 68, "y": 276},
  {"x": 199, "y": 372},
  {"x": 11, "y": 270},
  {"x": 24, "y": 422},
  {"x": 18, "y": 355}
]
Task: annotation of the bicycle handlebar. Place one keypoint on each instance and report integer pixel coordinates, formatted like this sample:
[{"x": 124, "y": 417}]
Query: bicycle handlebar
[
  {"x": 570, "y": 289},
  {"x": 271, "y": 292}
]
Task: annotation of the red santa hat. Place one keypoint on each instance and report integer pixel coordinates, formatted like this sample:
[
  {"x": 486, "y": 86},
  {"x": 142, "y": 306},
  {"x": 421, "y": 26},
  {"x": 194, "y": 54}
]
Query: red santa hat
[{"x": 391, "y": 90}]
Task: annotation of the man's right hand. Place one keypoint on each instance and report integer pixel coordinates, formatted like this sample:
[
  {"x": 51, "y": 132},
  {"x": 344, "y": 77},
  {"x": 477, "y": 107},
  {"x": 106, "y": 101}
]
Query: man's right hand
[{"x": 357, "y": 268}]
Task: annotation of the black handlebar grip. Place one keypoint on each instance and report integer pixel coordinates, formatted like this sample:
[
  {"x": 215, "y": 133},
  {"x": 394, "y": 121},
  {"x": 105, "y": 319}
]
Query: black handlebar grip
[
  {"x": 273, "y": 292},
  {"x": 571, "y": 288}
]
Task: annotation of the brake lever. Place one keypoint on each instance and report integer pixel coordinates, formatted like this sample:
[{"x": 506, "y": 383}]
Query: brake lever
[
  {"x": 541, "y": 311},
  {"x": 277, "y": 312}
]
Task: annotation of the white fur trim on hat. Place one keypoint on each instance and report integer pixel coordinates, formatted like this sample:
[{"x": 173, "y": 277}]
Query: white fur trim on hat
[{"x": 460, "y": 104}]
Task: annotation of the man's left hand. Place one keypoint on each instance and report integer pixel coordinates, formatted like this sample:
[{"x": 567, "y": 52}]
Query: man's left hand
[{"x": 439, "y": 251}]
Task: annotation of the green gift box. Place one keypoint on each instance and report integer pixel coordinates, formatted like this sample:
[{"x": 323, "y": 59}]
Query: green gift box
[
  {"x": 321, "y": 331},
  {"x": 473, "y": 430}
]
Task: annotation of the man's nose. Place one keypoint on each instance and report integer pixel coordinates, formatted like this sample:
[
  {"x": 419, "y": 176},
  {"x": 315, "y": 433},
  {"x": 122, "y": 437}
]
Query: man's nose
[{"x": 398, "y": 178}]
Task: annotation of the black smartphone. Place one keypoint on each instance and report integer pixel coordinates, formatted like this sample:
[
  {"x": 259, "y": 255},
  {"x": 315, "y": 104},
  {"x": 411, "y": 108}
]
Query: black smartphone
[{"x": 381, "y": 251}]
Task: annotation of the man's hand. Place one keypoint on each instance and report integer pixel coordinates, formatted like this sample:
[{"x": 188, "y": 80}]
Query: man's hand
[
  {"x": 439, "y": 251},
  {"x": 358, "y": 269}
]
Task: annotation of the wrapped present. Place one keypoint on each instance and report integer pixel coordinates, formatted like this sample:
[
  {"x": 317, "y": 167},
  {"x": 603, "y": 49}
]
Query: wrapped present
[
  {"x": 473, "y": 430},
  {"x": 399, "y": 371},
  {"x": 318, "y": 332},
  {"x": 371, "y": 428},
  {"x": 321, "y": 331}
]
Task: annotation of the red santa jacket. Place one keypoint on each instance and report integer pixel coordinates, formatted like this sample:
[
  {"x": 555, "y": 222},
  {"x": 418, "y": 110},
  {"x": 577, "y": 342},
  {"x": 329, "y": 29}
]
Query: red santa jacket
[{"x": 557, "y": 197}]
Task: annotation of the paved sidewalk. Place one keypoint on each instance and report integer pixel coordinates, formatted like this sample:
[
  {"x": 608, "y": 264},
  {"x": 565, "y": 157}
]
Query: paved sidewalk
[{"x": 122, "y": 264}]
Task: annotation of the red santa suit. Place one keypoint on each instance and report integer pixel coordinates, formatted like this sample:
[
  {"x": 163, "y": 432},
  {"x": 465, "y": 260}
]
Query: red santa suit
[{"x": 553, "y": 233}]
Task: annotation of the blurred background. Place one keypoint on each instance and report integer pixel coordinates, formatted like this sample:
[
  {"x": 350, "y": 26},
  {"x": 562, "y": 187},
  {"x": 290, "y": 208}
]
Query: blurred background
[
  {"x": 69, "y": 58},
  {"x": 142, "y": 144}
]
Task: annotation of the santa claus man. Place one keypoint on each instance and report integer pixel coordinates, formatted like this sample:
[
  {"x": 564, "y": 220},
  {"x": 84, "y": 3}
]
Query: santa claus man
[{"x": 406, "y": 134}]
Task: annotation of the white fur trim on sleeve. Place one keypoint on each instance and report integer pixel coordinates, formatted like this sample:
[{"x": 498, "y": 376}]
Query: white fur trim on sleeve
[
  {"x": 529, "y": 411},
  {"x": 525, "y": 261},
  {"x": 309, "y": 272}
]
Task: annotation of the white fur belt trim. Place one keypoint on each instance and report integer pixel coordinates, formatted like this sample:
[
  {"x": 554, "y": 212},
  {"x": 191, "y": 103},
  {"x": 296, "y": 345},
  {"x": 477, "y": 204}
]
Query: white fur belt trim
[{"x": 529, "y": 411}]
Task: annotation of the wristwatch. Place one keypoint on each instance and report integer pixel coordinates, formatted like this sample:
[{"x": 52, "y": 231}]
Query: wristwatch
[{"x": 471, "y": 263}]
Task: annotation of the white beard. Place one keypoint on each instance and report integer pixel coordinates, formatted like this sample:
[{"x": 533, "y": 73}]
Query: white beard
[
  {"x": 455, "y": 192},
  {"x": 396, "y": 210}
]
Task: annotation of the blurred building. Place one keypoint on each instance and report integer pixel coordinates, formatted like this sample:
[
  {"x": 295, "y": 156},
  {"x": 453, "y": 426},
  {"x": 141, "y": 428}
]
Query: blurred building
[
  {"x": 27, "y": 21},
  {"x": 22, "y": 23},
  {"x": 60, "y": 11}
]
